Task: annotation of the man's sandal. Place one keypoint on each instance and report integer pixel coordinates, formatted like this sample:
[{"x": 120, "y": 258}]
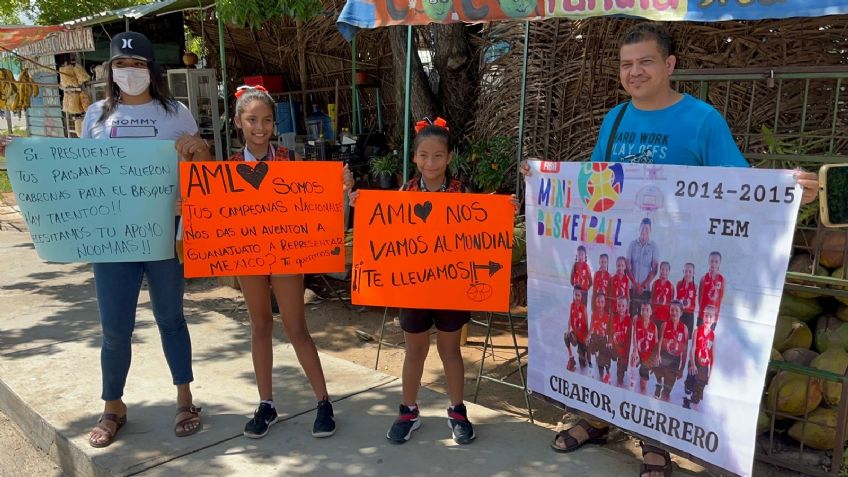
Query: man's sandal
[
  {"x": 665, "y": 469},
  {"x": 107, "y": 425},
  {"x": 186, "y": 415},
  {"x": 596, "y": 436}
]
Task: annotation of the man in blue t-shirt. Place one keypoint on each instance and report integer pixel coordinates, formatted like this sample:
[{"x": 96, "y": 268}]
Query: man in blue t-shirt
[{"x": 659, "y": 126}]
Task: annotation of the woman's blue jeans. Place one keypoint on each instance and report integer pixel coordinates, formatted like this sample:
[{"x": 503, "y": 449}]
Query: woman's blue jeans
[{"x": 118, "y": 285}]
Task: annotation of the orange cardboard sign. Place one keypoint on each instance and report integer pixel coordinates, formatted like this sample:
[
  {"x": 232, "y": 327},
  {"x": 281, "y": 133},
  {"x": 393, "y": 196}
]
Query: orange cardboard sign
[
  {"x": 432, "y": 250},
  {"x": 261, "y": 218}
]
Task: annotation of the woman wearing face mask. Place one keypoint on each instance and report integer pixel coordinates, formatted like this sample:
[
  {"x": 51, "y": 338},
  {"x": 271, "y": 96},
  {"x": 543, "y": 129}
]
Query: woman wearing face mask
[{"x": 140, "y": 106}]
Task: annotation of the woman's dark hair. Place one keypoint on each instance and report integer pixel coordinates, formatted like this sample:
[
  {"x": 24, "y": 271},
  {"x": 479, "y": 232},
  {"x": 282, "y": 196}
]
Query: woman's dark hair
[
  {"x": 647, "y": 31},
  {"x": 254, "y": 94},
  {"x": 158, "y": 90},
  {"x": 433, "y": 130}
]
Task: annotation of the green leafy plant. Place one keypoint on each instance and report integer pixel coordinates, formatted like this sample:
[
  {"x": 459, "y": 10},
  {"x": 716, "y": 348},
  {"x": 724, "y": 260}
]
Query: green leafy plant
[
  {"x": 461, "y": 167},
  {"x": 195, "y": 44},
  {"x": 776, "y": 145},
  {"x": 492, "y": 160},
  {"x": 389, "y": 165},
  {"x": 252, "y": 13},
  {"x": 519, "y": 239}
]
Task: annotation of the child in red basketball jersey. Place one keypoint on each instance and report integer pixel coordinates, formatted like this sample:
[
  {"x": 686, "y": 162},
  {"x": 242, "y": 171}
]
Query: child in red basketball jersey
[
  {"x": 686, "y": 296},
  {"x": 662, "y": 292},
  {"x": 578, "y": 331},
  {"x": 674, "y": 346},
  {"x": 621, "y": 328},
  {"x": 602, "y": 281},
  {"x": 646, "y": 339},
  {"x": 701, "y": 359},
  {"x": 620, "y": 282},
  {"x": 581, "y": 274},
  {"x": 599, "y": 337},
  {"x": 711, "y": 289}
]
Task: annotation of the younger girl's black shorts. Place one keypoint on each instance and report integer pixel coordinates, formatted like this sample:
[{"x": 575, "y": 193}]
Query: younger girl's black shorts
[{"x": 414, "y": 320}]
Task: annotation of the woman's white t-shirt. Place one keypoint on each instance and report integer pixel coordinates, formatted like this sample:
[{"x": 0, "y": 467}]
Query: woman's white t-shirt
[{"x": 141, "y": 121}]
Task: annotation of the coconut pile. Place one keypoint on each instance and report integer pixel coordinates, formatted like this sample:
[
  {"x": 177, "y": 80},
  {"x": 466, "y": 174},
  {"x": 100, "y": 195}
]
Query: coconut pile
[{"x": 811, "y": 331}]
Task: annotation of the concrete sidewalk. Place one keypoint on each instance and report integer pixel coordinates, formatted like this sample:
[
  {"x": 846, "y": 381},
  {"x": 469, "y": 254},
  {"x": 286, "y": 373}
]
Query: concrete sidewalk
[{"x": 50, "y": 386}]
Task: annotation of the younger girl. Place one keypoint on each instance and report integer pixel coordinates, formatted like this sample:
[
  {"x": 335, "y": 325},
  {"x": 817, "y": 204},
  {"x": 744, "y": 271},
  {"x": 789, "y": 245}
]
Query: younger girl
[
  {"x": 599, "y": 337},
  {"x": 577, "y": 334},
  {"x": 432, "y": 154},
  {"x": 254, "y": 116},
  {"x": 674, "y": 348},
  {"x": 645, "y": 350}
]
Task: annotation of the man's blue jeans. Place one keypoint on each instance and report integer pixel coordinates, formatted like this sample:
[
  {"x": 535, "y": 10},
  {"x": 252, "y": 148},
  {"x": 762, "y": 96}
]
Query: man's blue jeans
[{"x": 118, "y": 285}]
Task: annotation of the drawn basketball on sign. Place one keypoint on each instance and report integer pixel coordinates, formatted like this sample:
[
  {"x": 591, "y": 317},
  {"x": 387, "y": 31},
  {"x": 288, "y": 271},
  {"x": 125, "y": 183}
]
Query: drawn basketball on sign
[
  {"x": 480, "y": 291},
  {"x": 600, "y": 185}
]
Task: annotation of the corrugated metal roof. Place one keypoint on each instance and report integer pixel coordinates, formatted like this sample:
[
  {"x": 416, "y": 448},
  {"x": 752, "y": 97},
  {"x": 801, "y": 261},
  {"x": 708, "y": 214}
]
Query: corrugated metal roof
[{"x": 138, "y": 11}]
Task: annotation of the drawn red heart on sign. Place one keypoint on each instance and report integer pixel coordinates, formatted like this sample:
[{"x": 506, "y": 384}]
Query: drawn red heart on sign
[{"x": 253, "y": 175}]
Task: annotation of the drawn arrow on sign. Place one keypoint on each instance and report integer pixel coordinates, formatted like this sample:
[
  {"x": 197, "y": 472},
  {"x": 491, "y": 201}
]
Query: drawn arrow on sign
[{"x": 492, "y": 267}]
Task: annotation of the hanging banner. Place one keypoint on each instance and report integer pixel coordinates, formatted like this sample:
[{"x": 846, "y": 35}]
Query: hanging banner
[
  {"x": 72, "y": 41},
  {"x": 442, "y": 250},
  {"x": 379, "y": 13},
  {"x": 653, "y": 293},
  {"x": 262, "y": 218},
  {"x": 95, "y": 200}
]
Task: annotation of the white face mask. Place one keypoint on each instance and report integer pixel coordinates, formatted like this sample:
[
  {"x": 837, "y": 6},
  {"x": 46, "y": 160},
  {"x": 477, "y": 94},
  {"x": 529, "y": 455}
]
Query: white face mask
[{"x": 132, "y": 81}]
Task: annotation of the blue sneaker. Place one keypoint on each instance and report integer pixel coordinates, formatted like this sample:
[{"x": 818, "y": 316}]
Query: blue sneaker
[
  {"x": 461, "y": 428},
  {"x": 325, "y": 423},
  {"x": 406, "y": 422}
]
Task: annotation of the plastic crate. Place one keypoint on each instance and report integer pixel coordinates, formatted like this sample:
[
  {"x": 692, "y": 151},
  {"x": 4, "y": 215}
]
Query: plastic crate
[{"x": 321, "y": 152}]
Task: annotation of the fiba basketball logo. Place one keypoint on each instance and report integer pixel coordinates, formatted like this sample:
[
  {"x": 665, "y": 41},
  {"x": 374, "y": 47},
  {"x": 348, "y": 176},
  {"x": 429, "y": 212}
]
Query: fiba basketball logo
[{"x": 600, "y": 185}]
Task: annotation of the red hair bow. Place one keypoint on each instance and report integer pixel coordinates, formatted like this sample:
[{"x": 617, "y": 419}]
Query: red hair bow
[
  {"x": 439, "y": 122},
  {"x": 242, "y": 89}
]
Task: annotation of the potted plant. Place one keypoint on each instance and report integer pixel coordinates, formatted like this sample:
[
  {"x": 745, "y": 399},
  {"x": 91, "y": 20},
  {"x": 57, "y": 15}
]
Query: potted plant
[{"x": 384, "y": 169}]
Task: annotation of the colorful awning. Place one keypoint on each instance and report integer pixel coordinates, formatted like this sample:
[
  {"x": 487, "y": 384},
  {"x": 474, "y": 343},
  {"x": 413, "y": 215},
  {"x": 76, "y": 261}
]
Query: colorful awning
[
  {"x": 16, "y": 36},
  {"x": 378, "y": 13}
]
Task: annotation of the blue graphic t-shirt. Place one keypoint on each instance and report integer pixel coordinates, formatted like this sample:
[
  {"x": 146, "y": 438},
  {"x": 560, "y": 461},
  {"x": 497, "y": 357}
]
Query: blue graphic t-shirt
[{"x": 688, "y": 133}]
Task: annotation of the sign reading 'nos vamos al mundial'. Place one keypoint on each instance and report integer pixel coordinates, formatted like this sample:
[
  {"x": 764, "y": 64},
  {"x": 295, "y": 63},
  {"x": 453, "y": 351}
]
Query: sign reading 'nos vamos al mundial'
[{"x": 653, "y": 293}]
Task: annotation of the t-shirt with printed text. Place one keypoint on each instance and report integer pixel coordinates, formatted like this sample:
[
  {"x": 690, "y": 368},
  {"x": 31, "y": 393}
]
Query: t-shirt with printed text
[
  {"x": 690, "y": 132},
  {"x": 138, "y": 121}
]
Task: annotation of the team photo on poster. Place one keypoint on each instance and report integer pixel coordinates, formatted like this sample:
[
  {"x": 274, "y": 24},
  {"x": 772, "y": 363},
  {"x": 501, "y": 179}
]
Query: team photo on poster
[{"x": 652, "y": 345}]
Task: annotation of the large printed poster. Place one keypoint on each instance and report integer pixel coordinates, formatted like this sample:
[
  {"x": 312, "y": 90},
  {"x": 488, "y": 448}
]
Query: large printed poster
[{"x": 652, "y": 296}]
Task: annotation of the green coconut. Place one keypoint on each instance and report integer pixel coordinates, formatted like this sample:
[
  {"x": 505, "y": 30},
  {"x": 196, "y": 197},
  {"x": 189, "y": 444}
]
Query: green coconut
[
  {"x": 775, "y": 355},
  {"x": 802, "y": 356},
  {"x": 834, "y": 360},
  {"x": 803, "y": 263},
  {"x": 789, "y": 332},
  {"x": 831, "y": 331},
  {"x": 838, "y": 274},
  {"x": 819, "y": 431},
  {"x": 842, "y": 312},
  {"x": 763, "y": 422},
  {"x": 803, "y": 309},
  {"x": 787, "y": 391}
]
